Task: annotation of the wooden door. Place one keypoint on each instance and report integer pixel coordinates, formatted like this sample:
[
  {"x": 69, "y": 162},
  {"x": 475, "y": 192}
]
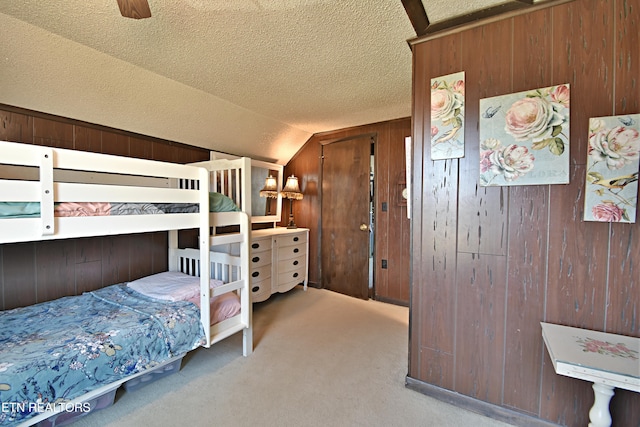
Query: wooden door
[{"x": 345, "y": 216}]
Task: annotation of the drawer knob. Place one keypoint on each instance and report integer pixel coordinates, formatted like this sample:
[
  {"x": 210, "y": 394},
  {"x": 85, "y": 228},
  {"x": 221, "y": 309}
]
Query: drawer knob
[
  {"x": 255, "y": 274},
  {"x": 295, "y": 274},
  {"x": 255, "y": 289},
  {"x": 295, "y": 262},
  {"x": 296, "y": 250},
  {"x": 295, "y": 239},
  {"x": 255, "y": 245},
  {"x": 255, "y": 259}
]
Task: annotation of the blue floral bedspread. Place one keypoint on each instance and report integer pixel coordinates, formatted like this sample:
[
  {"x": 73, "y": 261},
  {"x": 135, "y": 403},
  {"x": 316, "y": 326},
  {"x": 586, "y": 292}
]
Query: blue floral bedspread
[{"x": 56, "y": 351}]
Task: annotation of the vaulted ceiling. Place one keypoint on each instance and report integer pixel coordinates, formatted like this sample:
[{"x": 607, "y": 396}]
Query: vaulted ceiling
[{"x": 246, "y": 77}]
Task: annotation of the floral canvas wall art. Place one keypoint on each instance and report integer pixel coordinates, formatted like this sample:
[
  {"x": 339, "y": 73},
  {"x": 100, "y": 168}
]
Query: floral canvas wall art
[
  {"x": 447, "y": 117},
  {"x": 611, "y": 191},
  {"x": 524, "y": 137}
]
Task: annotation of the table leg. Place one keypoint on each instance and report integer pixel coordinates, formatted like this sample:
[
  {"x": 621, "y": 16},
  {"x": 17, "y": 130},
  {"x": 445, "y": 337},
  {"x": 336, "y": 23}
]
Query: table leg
[{"x": 599, "y": 414}]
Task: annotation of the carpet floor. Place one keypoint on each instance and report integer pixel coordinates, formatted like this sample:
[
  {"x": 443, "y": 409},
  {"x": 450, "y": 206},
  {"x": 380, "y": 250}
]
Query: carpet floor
[{"x": 320, "y": 359}]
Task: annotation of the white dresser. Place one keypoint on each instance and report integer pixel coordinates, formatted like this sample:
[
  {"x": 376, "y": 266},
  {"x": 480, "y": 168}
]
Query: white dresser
[{"x": 279, "y": 261}]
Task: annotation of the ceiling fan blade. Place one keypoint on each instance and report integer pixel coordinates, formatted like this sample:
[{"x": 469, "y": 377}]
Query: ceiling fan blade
[{"x": 136, "y": 9}]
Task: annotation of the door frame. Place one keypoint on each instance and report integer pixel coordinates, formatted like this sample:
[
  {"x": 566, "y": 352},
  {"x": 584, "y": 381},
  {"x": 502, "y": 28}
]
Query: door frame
[{"x": 373, "y": 137}]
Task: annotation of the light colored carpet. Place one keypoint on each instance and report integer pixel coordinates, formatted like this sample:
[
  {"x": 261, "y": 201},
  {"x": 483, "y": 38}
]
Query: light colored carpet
[{"x": 320, "y": 359}]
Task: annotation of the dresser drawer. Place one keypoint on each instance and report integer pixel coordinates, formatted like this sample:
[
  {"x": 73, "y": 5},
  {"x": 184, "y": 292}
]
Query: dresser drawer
[
  {"x": 291, "y": 239},
  {"x": 258, "y": 259},
  {"x": 295, "y": 275},
  {"x": 261, "y": 290},
  {"x": 260, "y": 245},
  {"x": 260, "y": 273},
  {"x": 289, "y": 280},
  {"x": 288, "y": 252},
  {"x": 286, "y": 265}
]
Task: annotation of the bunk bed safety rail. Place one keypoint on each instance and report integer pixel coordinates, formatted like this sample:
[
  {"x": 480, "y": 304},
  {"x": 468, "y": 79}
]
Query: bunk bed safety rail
[{"x": 47, "y": 176}]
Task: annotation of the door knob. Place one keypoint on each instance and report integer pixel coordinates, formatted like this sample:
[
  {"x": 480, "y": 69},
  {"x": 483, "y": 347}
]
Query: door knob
[{"x": 364, "y": 227}]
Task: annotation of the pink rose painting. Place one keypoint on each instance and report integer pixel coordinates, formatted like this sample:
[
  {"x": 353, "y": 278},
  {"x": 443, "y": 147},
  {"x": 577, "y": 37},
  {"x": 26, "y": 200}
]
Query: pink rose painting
[
  {"x": 524, "y": 138},
  {"x": 447, "y": 117},
  {"x": 611, "y": 191}
]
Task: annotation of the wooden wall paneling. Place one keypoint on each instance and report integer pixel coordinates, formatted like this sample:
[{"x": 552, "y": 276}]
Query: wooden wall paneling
[
  {"x": 589, "y": 268},
  {"x": 527, "y": 262},
  {"x": 482, "y": 226},
  {"x": 88, "y": 264},
  {"x": 627, "y": 57},
  {"x": 583, "y": 46},
  {"x": 482, "y": 211},
  {"x": 576, "y": 294},
  {"x": 480, "y": 326},
  {"x": 87, "y": 139},
  {"x": 532, "y": 53},
  {"x": 19, "y": 270},
  {"x": 141, "y": 256},
  {"x": 195, "y": 154},
  {"x": 623, "y": 292},
  {"x": 52, "y": 133},
  {"x": 418, "y": 137},
  {"x": 307, "y": 166},
  {"x": 623, "y": 296},
  {"x": 116, "y": 255},
  {"x": 165, "y": 152},
  {"x": 55, "y": 269},
  {"x": 160, "y": 254},
  {"x": 624, "y": 408},
  {"x": 399, "y": 223},
  {"x": 576, "y": 288},
  {"x": 434, "y": 251},
  {"x": 564, "y": 400},
  {"x": 527, "y": 234},
  {"x": 16, "y": 127},
  {"x": 142, "y": 148},
  {"x": 115, "y": 143},
  {"x": 582, "y": 38},
  {"x": 383, "y": 194},
  {"x": 435, "y": 274}
]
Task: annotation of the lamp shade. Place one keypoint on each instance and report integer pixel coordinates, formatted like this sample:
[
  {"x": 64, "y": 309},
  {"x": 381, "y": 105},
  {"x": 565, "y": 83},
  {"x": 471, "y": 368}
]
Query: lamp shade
[
  {"x": 270, "y": 188},
  {"x": 291, "y": 189}
]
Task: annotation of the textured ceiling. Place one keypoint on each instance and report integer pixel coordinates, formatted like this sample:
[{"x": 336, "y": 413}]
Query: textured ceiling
[{"x": 247, "y": 77}]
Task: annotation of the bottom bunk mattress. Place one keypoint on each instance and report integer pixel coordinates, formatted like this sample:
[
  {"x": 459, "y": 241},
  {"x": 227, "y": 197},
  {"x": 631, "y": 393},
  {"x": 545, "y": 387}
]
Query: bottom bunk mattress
[{"x": 53, "y": 352}]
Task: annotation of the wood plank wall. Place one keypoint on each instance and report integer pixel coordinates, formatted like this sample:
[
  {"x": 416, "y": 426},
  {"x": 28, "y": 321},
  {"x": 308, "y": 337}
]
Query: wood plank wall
[
  {"x": 392, "y": 228},
  {"x": 34, "y": 272},
  {"x": 490, "y": 263}
]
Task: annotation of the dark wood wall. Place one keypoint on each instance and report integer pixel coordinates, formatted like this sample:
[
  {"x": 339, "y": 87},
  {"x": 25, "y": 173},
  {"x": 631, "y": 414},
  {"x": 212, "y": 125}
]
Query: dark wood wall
[
  {"x": 490, "y": 263},
  {"x": 40, "y": 271},
  {"x": 392, "y": 228}
]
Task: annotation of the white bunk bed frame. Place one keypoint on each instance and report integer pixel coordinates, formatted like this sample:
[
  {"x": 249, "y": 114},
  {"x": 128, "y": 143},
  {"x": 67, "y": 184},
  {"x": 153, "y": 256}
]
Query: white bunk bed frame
[
  {"x": 231, "y": 176},
  {"x": 31, "y": 173}
]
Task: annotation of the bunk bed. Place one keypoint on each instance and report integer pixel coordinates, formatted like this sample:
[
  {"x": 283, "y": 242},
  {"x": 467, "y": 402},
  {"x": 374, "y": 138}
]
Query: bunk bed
[{"x": 49, "y": 193}]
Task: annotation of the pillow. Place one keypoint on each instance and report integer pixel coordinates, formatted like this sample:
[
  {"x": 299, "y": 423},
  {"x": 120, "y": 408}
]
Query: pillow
[
  {"x": 218, "y": 202},
  {"x": 221, "y": 307},
  {"x": 170, "y": 286}
]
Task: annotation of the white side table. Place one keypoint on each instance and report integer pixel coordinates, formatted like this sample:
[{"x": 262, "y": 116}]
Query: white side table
[{"x": 607, "y": 360}]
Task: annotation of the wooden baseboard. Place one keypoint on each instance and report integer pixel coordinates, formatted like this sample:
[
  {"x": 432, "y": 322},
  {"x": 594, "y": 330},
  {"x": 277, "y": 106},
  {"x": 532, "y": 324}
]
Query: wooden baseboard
[
  {"x": 490, "y": 410},
  {"x": 392, "y": 301}
]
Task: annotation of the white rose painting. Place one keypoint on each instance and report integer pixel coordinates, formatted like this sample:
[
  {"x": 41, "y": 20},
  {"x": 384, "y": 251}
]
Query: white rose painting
[
  {"x": 524, "y": 138},
  {"x": 611, "y": 192},
  {"x": 447, "y": 117}
]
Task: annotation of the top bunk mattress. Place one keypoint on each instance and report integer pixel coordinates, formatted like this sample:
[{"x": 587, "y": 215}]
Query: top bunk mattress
[{"x": 217, "y": 203}]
